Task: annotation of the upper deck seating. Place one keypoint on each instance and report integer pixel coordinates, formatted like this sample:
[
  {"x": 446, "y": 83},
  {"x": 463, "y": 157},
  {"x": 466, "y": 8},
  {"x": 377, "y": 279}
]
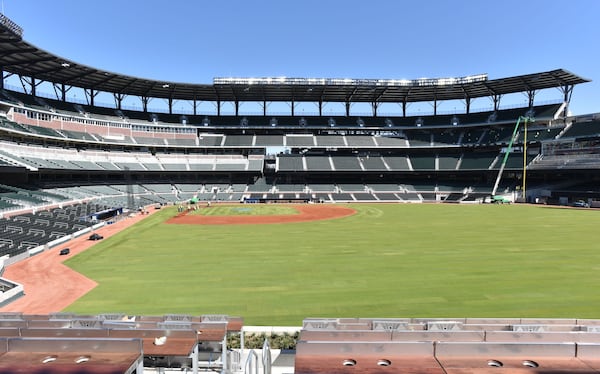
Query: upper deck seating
[
  {"x": 255, "y": 165},
  {"x": 147, "y": 140},
  {"x": 79, "y": 135},
  {"x": 477, "y": 160},
  {"x": 210, "y": 140},
  {"x": 181, "y": 142},
  {"x": 422, "y": 162},
  {"x": 448, "y": 162},
  {"x": 290, "y": 163},
  {"x": 129, "y": 166},
  {"x": 107, "y": 165},
  {"x": 514, "y": 161},
  {"x": 360, "y": 141},
  {"x": 13, "y": 126},
  {"x": 84, "y": 164},
  {"x": 373, "y": 163},
  {"x": 45, "y": 131},
  {"x": 538, "y": 135},
  {"x": 300, "y": 140},
  {"x": 346, "y": 163},
  {"x": 397, "y": 163},
  {"x": 231, "y": 166},
  {"x": 330, "y": 141},
  {"x": 318, "y": 163},
  {"x": 419, "y": 138},
  {"x": 472, "y": 136},
  {"x": 238, "y": 140},
  {"x": 269, "y": 140},
  {"x": 446, "y": 137},
  {"x": 384, "y": 141},
  {"x": 582, "y": 129}
]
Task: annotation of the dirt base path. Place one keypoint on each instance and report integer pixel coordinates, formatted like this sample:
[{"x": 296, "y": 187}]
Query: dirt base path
[
  {"x": 51, "y": 286},
  {"x": 306, "y": 213}
]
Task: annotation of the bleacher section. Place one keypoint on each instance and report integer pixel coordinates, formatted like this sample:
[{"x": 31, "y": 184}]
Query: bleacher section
[
  {"x": 23, "y": 232},
  {"x": 583, "y": 129},
  {"x": 447, "y": 345},
  {"x": 318, "y": 163},
  {"x": 477, "y": 160},
  {"x": 98, "y": 146}
]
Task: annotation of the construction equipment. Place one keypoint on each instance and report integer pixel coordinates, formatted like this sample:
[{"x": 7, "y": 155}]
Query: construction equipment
[{"x": 514, "y": 137}]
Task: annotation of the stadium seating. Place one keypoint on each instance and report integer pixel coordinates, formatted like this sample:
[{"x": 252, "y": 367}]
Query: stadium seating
[
  {"x": 96, "y": 144},
  {"x": 465, "y": 345}
]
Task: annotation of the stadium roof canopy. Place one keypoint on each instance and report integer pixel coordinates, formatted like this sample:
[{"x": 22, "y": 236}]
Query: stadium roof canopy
[{"x": 26, "y": 60}]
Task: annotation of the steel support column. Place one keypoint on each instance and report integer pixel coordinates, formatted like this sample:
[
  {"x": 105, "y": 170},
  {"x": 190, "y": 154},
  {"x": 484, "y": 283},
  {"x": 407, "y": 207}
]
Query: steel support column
[
  {"x": 119, "y": 100},
  {"x": 496, "y": 99},
  {"x": 90, "y": 95},
  {"x": 374, "y": 105},
  {"x": 59, "y": 91},
  {"x": 567, "y": 91},
  {"x": 531, "y": 97}
]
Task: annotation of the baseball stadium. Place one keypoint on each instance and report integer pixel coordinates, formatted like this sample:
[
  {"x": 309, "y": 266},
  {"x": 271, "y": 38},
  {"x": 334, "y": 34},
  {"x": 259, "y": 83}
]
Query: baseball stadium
[{"x": 143, "y": 241}]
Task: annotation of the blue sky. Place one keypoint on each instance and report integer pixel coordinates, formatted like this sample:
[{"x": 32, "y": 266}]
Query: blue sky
[{"x": 195, "y": 41}]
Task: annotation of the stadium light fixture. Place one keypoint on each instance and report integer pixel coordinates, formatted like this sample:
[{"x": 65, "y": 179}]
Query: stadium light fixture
[
  {"x": 65, "y": 65},
  {"x": 166, "y": 85},
  {"x": 284, "y": 81},
  {"x": 454, "y": 121}
]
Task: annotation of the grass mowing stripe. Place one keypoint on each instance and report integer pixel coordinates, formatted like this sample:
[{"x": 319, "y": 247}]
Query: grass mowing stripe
[{"x": 385, "y": 261}]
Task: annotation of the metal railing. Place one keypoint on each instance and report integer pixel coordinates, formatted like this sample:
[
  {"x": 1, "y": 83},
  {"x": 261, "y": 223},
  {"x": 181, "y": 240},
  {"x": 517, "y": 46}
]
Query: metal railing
[{"x": 11, "y": 26}]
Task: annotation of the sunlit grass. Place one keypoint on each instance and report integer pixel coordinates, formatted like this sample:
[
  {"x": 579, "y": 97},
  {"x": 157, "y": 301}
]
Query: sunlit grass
[
  {"x": 402, "y": 260},
  {"x": 245, "y": 210}
]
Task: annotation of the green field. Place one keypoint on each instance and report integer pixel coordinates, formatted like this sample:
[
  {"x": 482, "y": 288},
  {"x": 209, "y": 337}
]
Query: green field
[
  {"x": 246, "y": 210},
  {"x": 402, "y": 260}
]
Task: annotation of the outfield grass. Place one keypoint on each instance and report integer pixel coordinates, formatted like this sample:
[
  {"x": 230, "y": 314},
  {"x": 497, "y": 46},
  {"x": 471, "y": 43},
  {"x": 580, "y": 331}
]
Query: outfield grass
[
  {"x": 402, "y": 260},
  {"x": 246, "y": 210}
]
